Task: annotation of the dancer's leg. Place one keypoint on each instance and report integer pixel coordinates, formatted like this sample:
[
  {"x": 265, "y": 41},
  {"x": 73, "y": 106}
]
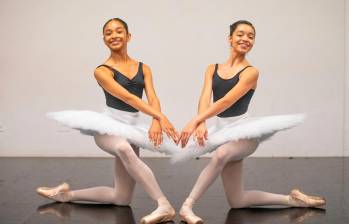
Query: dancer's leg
[
  {"x": 140, "y": 172},
  {"x": 123, "y": 180},
  {"x": 135, "y": 167},
  {"x": 232, "y": 176},
  {"x": 231, "y": 151},
  {"x": 131, "y": 169},
  {"x": 121, "y": 194}
]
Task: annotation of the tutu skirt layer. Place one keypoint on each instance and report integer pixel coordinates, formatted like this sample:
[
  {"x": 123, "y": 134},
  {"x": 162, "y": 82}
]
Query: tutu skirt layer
[
  {"x": 237, "y": 128},
  {"x": 113, "y": 122},
  {"x": 129, "y": 126}
]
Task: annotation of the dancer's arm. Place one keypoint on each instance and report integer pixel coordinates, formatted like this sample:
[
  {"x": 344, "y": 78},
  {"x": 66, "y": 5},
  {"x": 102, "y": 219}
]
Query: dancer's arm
[
  {"x": 155, "y": 132},
  {"x": 200, "y": 134},
  {"x": 246, "y": 82},
  {"x": 105, "y": 78}
]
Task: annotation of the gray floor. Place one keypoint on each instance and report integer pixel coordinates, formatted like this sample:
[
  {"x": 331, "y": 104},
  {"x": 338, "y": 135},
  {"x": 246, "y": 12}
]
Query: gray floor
[{"x": 19, "y": 203}]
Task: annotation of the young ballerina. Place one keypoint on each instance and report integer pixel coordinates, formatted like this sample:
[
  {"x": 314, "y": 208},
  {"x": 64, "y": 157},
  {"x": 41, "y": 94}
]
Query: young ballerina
[
  {"x": 122, "y": 80},
  {"x": 233, "y": 84}
]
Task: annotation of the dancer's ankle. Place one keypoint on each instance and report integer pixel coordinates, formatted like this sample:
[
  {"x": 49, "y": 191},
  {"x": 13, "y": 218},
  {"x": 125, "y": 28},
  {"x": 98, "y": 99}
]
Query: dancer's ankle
[
  {"x": 71, "y": 195},
  {"x": 65, "y": 197},
  {"x": 189, "y": 202},
  {"x": 187, "y": 213},
  {"x": 163, "y": 202}
]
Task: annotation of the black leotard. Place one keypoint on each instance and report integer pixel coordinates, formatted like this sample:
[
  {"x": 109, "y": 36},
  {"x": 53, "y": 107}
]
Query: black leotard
[
  {"x": 134, "y": 86},
  {"x": 221, "y": 86}
]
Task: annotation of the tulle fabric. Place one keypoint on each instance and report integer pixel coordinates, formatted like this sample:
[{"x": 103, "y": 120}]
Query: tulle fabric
[
  {"x": 128, "y": 125},
  {"x": 236, "y": 128}
]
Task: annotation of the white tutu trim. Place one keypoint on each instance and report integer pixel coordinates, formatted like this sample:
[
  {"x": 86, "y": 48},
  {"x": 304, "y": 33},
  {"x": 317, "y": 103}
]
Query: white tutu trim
[
  {"x": 92, "y": 123},
  {"x": 260, "y": 128}
]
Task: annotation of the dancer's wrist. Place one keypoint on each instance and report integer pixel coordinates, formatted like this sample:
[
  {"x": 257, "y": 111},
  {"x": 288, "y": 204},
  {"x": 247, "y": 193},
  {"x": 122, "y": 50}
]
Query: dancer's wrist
[
  {"x": 158, "y": 116},
  {"x": 197, "y": 120},
  {"x": 155, "y": 121},
  {"x": 202, "y": 123}
]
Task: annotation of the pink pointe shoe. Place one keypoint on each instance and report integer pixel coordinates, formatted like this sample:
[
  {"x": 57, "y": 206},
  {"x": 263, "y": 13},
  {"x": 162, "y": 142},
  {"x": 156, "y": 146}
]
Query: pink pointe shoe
[
  {"x": 188, "y": 216},
  {"x": 159, "y": 217},
  {"x": 191, "y": 219},
  {"x": 59, "y": 193},
  {"x": 304, "y": 200}
]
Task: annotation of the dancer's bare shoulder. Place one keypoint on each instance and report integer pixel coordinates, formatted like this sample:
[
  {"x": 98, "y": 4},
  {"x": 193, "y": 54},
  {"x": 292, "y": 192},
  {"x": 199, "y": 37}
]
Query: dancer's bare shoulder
[
  {"x": 210, "y": 70},
  {"x": 102, "y": 72},
  {"x": 146, "y": 70},
  {"x": 250, "y": 77}
]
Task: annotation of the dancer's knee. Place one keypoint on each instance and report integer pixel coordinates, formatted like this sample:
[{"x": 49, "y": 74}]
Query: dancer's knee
[
  {"x": 124, "y": 150},
  {"x": 236, "y": 203},
  {"x": 219, "y": 159},
  {"x": 122, "y": 199}
]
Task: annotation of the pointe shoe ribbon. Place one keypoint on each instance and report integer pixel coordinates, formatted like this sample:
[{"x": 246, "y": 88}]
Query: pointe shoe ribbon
[{"x": 58, "y": 193}]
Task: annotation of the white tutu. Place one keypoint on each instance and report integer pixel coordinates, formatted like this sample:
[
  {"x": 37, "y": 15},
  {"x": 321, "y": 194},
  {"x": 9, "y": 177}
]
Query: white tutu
[
  {"x": 113, "y": 122},
  {"x": 236, "y": 128},
  {"x": 129, "y": 126}
]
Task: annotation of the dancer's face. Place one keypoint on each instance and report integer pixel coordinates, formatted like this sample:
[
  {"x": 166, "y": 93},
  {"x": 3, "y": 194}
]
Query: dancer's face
[
  {"x": 242, "y": 39},
  {"x": 115, "y": 36}
]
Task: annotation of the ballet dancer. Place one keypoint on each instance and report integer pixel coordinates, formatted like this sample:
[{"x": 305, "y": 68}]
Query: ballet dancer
[
  {"x": 233, "y": 84},
  {"x": 123, "y": 80}
]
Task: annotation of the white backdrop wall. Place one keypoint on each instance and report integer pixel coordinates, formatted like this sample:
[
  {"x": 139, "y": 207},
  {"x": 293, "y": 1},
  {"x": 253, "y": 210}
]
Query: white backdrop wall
[{"x": 49, "y": 50}]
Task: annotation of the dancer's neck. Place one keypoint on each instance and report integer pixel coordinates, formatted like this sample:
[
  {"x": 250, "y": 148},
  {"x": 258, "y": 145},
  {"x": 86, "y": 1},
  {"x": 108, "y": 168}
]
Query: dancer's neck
[
  {"x": 235, "y": 59},
  {"x": 119, "y": 57}
]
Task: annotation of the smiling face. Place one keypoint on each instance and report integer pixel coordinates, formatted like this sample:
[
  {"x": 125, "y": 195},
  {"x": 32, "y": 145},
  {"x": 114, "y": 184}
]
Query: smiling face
[
  {"x": 115, "y": 35},
  {"x": 242, "y": 39}
]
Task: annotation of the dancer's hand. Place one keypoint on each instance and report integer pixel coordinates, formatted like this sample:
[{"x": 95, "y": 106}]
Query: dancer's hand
[
  {"x": 200, "y": 134},
  {"x": 187, "y": 132},
  {"x": 155, "y": 133},
  {"x": 168, "y": 128}
]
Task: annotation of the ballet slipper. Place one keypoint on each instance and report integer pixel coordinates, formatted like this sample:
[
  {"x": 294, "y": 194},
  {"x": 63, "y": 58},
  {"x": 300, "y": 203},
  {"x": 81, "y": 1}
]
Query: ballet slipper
[
  {"x": 159, "y": 216},
  {"x": 59, "y": 193},
  {"x": 303, "y": 200}
]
